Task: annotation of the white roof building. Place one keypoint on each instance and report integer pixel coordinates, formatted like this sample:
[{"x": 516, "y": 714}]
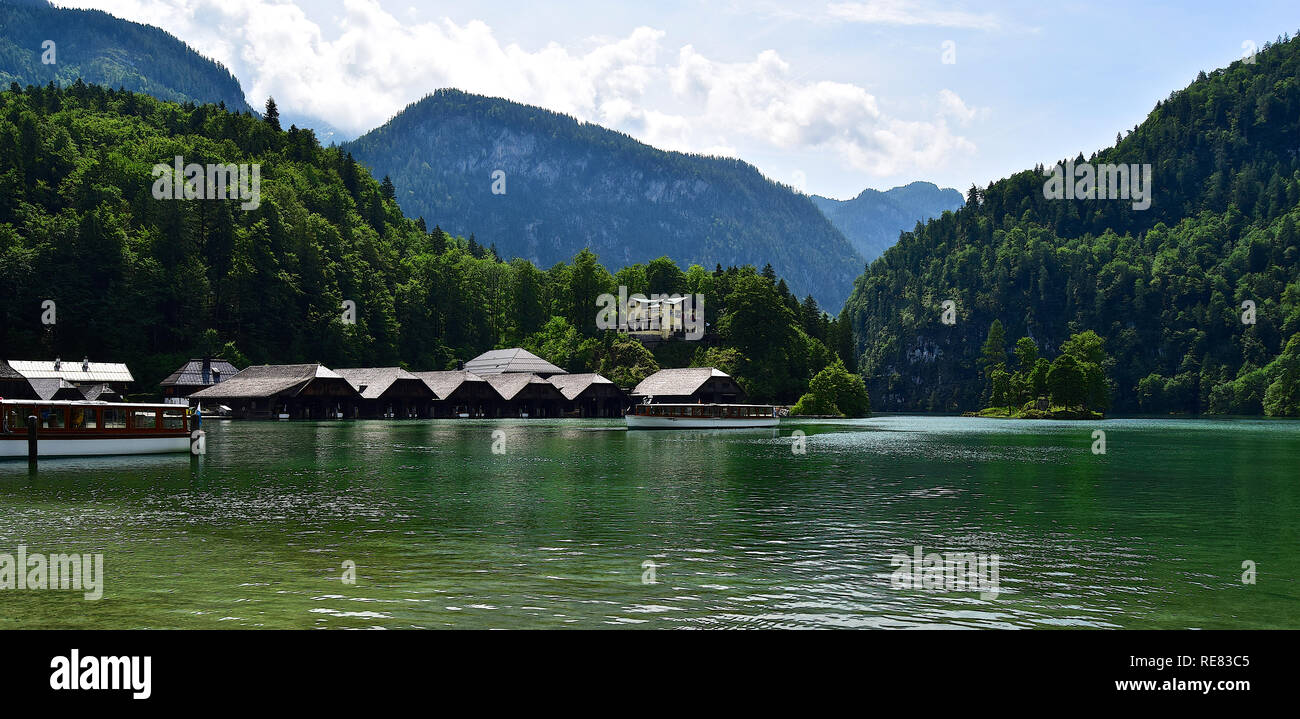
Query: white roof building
[{"x": 83, "y": 371}]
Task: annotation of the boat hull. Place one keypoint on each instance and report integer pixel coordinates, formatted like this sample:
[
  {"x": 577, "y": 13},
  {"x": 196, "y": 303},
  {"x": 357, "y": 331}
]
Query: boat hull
[
  {"x": 655, "y": 422},
  {"x": 54, "y": 447}
]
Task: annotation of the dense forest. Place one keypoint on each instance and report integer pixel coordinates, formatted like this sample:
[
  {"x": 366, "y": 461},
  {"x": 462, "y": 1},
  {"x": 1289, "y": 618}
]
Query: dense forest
[
  {"x": 873, "y": 220},
  {"x": 152, "y": 282},
  {"x": 568, "y": 185},
  {"x": 98, "y": 48},
  {"x": 1163, "y": 288}
]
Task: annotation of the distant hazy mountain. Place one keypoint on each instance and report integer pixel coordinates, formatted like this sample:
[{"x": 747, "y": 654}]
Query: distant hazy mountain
[
  {"x": 570, "y": 185},
  {"x": 873, "y": 219},
  {"x": 104, "y": 50},
  {"x": 326, "y": 133}
]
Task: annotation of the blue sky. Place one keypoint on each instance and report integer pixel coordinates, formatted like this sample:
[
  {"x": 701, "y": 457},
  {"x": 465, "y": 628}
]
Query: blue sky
[{"x": 831, "y": 97}]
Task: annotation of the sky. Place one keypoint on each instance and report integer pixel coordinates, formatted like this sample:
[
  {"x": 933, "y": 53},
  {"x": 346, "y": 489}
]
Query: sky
[{"x": 829, "y": 97}]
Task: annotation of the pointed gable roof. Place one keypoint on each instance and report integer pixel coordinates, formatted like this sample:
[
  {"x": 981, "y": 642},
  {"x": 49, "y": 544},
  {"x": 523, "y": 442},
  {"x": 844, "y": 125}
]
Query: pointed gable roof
[
  {"x": 510, "y": 385},
  {"x": 515, "y": 359},
  {"x": 191, "y": 373},
  {"x": 268, "y": 380},
  {"x": 677, "y": 382},
  {"x": 572, "y": 385},
  {"x": 373, "y": 382},
  {"x": 444, "y": 384},
  {"x": 7, "y": 372}
]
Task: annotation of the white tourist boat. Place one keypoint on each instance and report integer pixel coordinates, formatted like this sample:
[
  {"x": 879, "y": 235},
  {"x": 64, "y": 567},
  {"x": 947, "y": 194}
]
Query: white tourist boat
[
  {"x": 701, "y": 416},
  {"x": 87, "y": 429}
]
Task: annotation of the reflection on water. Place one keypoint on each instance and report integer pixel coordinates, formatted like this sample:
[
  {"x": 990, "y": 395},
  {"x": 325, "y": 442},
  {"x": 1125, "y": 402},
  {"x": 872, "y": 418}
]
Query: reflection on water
[{"x": 744, "y": 532}]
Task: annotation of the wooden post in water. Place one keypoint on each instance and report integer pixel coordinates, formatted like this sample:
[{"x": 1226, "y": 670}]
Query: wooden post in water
[{"x": 31, "y": 438}]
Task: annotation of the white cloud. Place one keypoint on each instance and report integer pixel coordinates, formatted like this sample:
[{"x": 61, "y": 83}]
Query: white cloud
[
  {"x": 950, "y": 105},
  {"x": 366, "y": 64},
  {"x": 901, "y": 12}
]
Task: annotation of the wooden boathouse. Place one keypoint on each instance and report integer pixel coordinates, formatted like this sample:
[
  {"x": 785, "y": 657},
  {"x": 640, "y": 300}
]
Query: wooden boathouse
[
  {"x": 390, "y": 392},
  {"x": 461, "y": 394},
  {"x": 193, "y": 376},
  {"x": 298, "y": 391},
  {"x": 590, "y": 395},
  {"x": 706, "y": 385}
]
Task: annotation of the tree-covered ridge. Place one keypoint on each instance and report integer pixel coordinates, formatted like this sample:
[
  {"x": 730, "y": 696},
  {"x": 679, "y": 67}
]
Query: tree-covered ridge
[
  {"x": 1163, "y": 287},
  {"x": 153, "y": 282},
  {"x": 104, "y": 50},
  {"x": 569, "y": 185}
]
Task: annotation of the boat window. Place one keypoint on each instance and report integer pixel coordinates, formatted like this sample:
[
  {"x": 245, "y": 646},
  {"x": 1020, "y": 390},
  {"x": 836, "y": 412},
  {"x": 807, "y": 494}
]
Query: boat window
[
  {"x": 16, "y": 418},
  {"x": 173, "y": 419},
  {"x": 144, "y": 419},
  {"x": 114, "y": 418},
  {"x": 83, "y": 418},
  {"x": 52, "y": 417}
]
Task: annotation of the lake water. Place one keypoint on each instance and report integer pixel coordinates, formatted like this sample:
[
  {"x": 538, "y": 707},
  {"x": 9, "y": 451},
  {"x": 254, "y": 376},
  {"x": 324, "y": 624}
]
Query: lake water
[{"x": 741, "y": 530}]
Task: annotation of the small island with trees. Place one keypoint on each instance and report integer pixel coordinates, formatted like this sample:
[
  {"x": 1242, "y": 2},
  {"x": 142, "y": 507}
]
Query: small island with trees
[{"x": 1074, "y": 385}]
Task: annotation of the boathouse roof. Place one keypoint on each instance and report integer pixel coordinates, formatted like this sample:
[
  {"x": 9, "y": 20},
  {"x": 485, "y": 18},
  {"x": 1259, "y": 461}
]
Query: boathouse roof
[
  {"x": 194, "y": 374},
  {"x": 7, "y": 372},
  {"x": 101, "y": 392},
  {"x": 572, "y": 385},
  {"x": 268, "y": 381},
  {"x": 677, "y": 382},
  {"x": 47, "y": 388},
  {"x": 515, "y": 359},
  {"x": 373, "y": 382},
  {"x": 510, "y": 385},
  {"x": 73, "y": 371},
  {"x": 444, "y": 384}
]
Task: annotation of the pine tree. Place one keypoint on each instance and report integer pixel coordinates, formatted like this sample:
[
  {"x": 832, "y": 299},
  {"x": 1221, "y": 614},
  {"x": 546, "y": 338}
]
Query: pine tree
[
  {"x": 994, "y": 350},
  {"x": 272, "y": 115}
]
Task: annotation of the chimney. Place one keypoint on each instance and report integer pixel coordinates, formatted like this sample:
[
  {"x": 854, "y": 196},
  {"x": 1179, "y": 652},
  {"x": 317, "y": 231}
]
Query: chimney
[
  {"x": 58, "y": 364},
  {"x": 85, "y": 364},
  {"x": 207, "y": 369},
  {"x": 460, "y": 366}
]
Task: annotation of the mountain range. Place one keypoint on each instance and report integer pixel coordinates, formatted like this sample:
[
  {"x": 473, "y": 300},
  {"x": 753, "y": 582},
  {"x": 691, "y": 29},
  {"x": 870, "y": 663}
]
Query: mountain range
[
  {"x": 872, "y": 220},
  {"x": 565, "y": 185},
  {"x": 541, "y": 185}
]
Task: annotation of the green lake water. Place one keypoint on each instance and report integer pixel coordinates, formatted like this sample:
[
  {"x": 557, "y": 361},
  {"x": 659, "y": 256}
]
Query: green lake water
[{"x": 743, "y": 532}]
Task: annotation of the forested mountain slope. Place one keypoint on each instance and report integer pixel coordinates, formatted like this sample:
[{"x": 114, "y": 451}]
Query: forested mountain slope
[
  {"x": 104, "y": 50},
  {"x": 1163, "y": 286},
  {"x": 567, "y": 185}
]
